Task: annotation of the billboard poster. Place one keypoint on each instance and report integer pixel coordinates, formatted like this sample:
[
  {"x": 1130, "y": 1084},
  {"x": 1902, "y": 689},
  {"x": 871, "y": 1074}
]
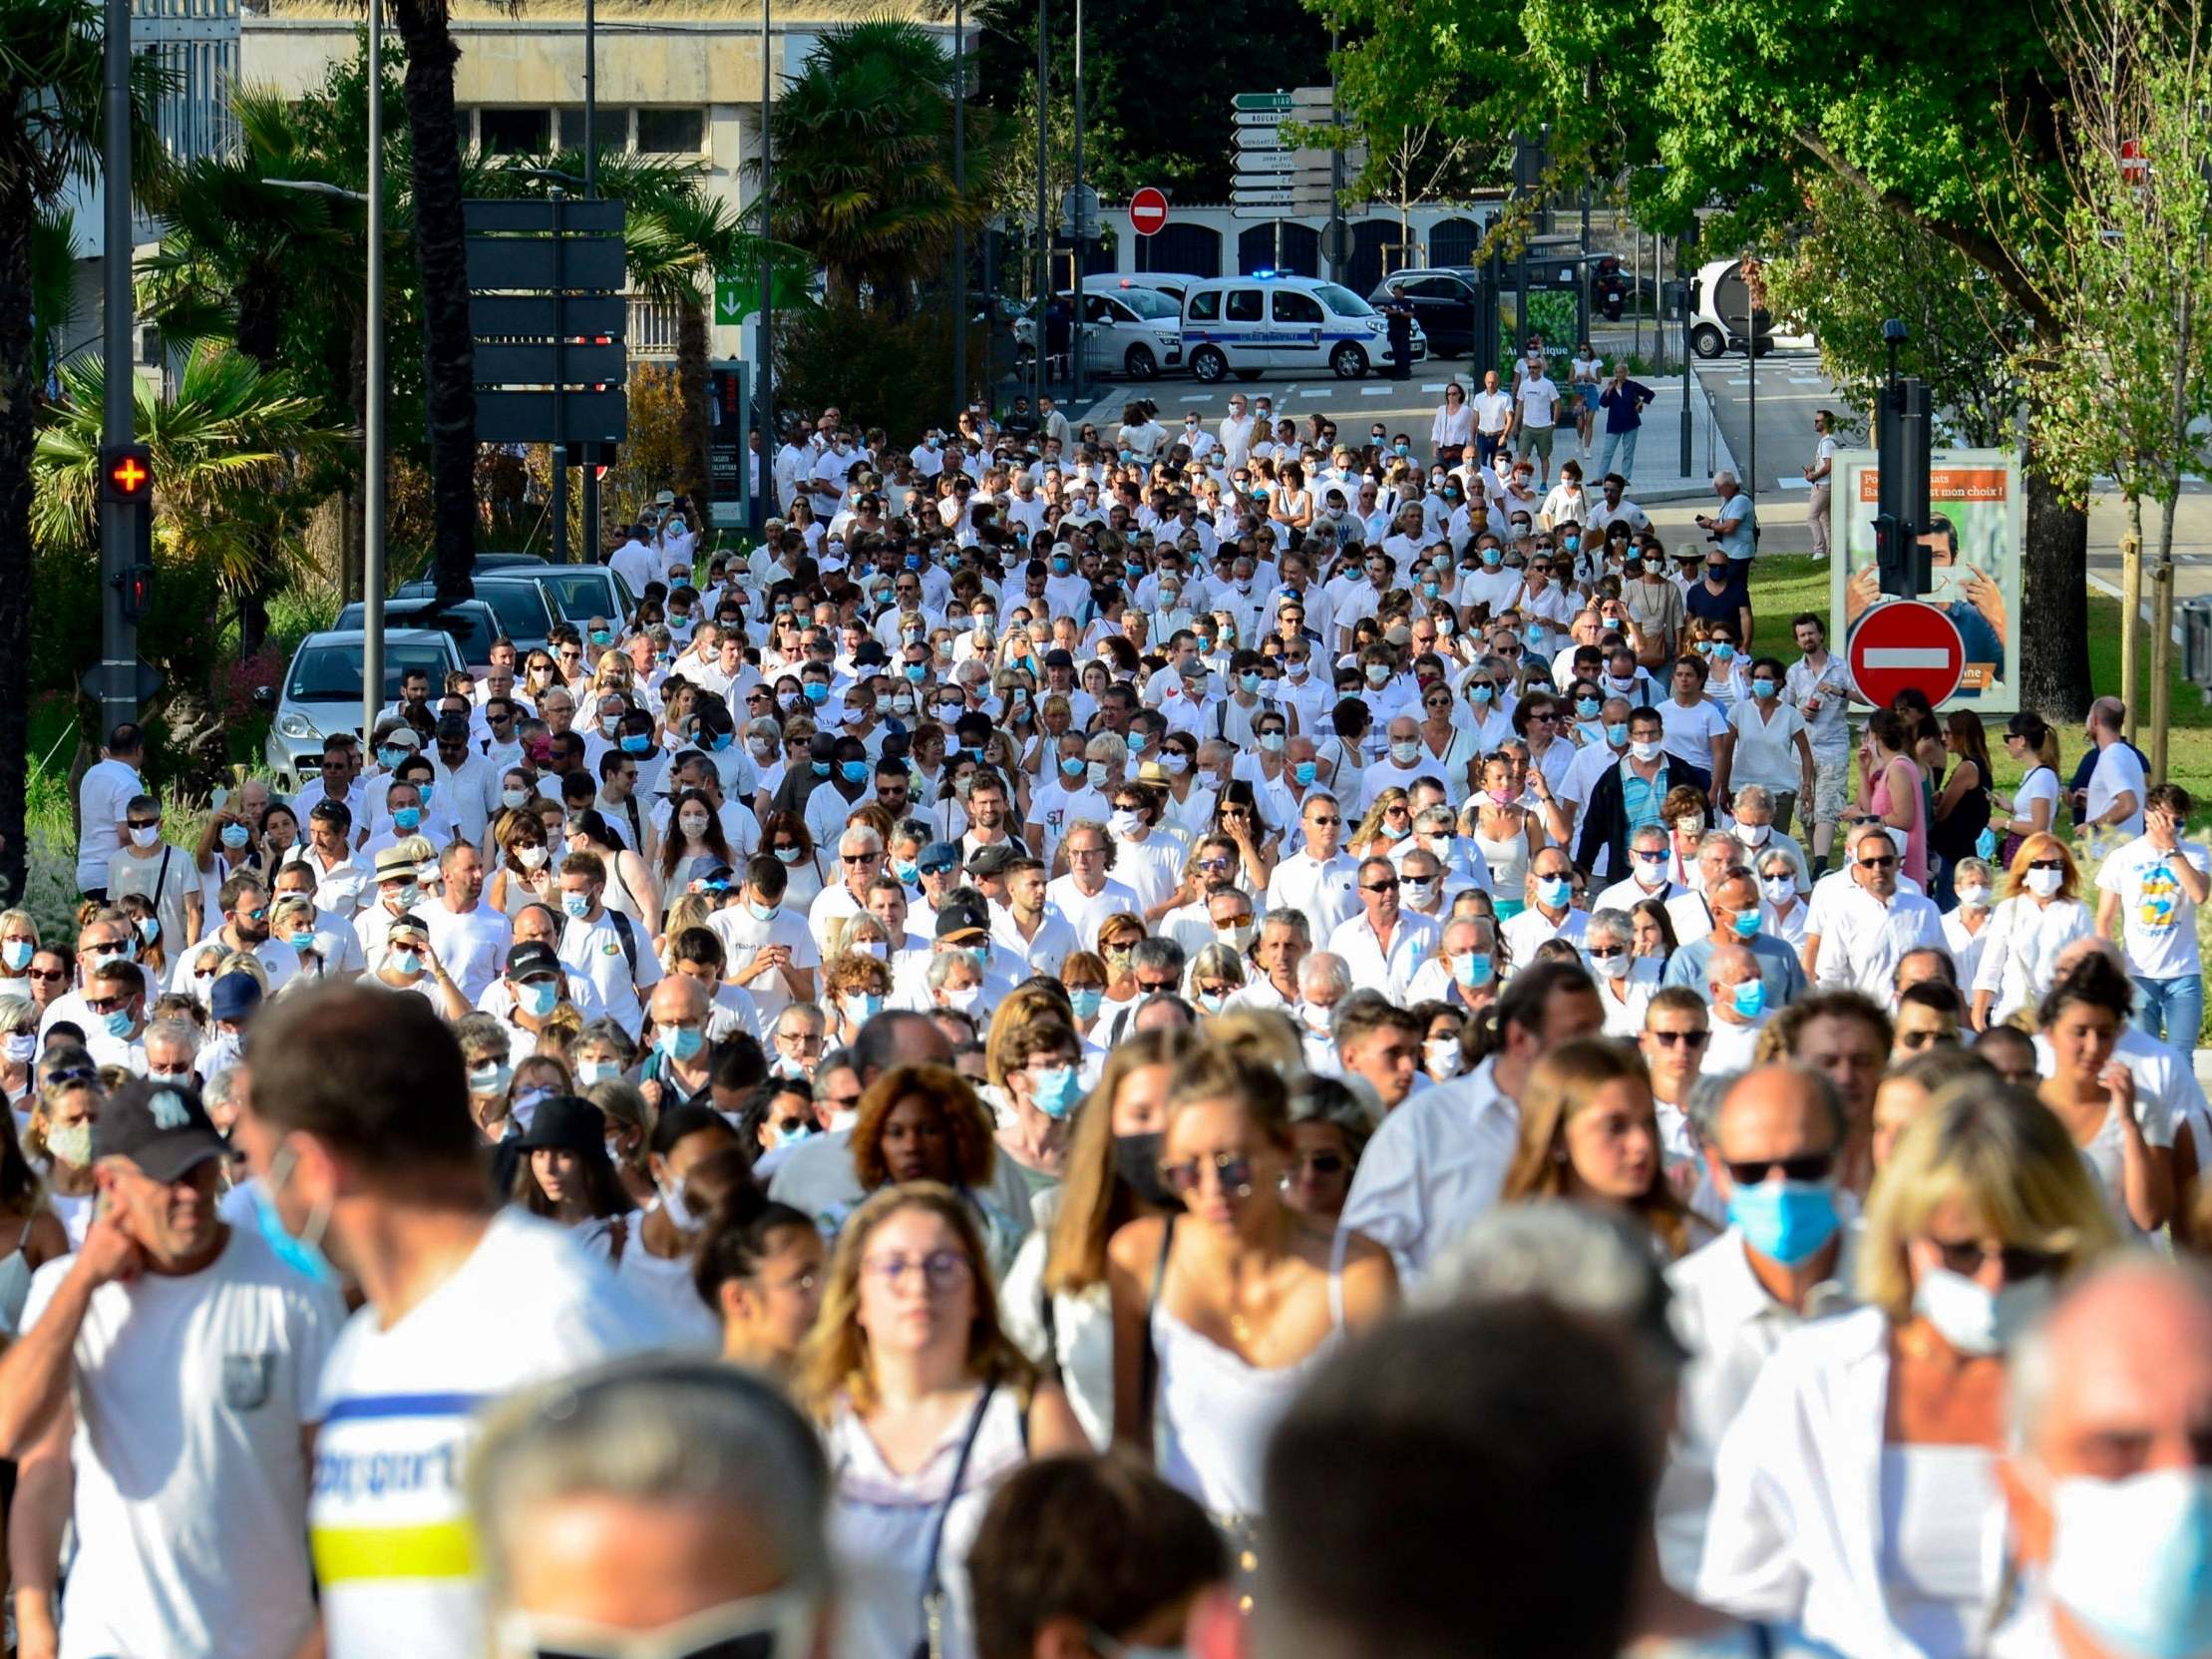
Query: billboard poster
[
  {"x": 729, "y": 473},
  {"x": 1979, "y": 511}
]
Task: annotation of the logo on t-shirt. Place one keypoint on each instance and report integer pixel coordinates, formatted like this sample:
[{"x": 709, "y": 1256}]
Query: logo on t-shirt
[{"x": 2158, "y": 904}]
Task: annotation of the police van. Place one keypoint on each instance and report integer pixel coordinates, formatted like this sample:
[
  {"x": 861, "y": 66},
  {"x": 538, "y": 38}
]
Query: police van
[{"x": 1246, "y": 325}]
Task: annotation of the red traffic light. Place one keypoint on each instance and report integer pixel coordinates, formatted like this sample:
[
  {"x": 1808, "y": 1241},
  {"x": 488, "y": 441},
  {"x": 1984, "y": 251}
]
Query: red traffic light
[{"x": 126, "y": 473}]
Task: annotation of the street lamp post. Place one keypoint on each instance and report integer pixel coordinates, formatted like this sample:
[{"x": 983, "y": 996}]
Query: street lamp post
[
  {"x": 119, "y": 632},
  {"x": 1043, "y": 338},
  {"x": 595, "y": 539},
  {"x": 959, "y": 192},
  {"x": 769, "y": 442},
  {"x": 1688, "y": 242}
]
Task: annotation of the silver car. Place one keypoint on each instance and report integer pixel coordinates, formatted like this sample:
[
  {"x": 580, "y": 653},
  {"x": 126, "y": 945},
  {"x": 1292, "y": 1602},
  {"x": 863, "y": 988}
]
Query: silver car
[{"x": 321, "y": 694}]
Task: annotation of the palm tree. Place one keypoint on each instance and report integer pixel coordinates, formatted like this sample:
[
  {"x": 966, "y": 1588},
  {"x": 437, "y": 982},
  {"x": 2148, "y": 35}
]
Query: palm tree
[
  {"x": 230, "y": 447},
  {"x": 864, "y": 161},
  {"x": 441, "y": 251},
  {"x": 51, "y": 121},
  {"x": 674, "y": 249}
]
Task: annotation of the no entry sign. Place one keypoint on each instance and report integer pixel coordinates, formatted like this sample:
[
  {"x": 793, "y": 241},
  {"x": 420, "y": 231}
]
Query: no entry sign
[
  {"x": 1148, "y": 211},
  {"x": 1905, "y": 646}
]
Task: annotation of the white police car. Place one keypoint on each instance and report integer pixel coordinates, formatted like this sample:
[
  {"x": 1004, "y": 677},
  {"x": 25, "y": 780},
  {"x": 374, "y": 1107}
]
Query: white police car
[{"x": 1246, "y": 325}]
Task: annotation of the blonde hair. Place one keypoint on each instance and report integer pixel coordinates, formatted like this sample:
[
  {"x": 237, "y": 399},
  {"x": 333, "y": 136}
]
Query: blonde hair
[
  {"x": 1030, "y": 1003},
  {"x": 2000, "y": 1151},
  {"x": 833, "y": 1364},
  {"x": 2042, "y": 845},
  {"x": 1262, "y": 1036},
  {"x": 1561, "y": 1085},
  {"x": 1094, "y": 1199}
]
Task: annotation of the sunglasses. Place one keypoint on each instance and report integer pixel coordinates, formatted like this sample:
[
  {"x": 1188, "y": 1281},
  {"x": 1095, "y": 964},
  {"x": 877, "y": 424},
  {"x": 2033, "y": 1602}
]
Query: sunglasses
[
  {"x": 1231, "y": 1172},
  {"x": 778, "y": 1626},
  {"x": 1967, "y": 1256},
  {"x": 1671, "y": 1039},
  {"x": 1806, "y": 1166},
  {"x": 49, "y": 976},
  {"x": 1889, "y": 862}
]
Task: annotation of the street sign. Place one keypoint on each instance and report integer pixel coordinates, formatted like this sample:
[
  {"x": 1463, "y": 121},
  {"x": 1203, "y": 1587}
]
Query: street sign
[
  {"x": 1080, "y": 218},
  {"x": 528, "y": 262},
  {"x": 1311, "y": 99},
  {"x": 1263, "y": 100},
  {"x": 541, "y": 316},
  {"x": 1148, "y": 212},
  {"x": 1336, "y": 241},
  {"x": 528, "y": 417},
  {"x": 1267, "y": 160},
  {"x": 1261, "y": 118},
  {"x": 136, "y": 683},
  {"x": 729, "y": 469},
  {"x": 1905, "y": 646},
  {"x": 2134, "y": 166},
  {"x": 1260, "y": 140},
  {"x": 1261, "y": 209},
  {"x": 533, "y": 364},
  {"x": 597, "y": 216}
]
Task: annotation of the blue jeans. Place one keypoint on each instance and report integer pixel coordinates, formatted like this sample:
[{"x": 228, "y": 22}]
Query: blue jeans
[
  {"x": 1626, "y": 443},
  {"x": 2170, "y": 1009}
]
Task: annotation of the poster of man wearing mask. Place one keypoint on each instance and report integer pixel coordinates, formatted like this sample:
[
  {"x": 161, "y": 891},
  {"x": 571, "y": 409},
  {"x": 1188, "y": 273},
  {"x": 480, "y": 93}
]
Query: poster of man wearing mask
[{"x": 1978, "y": 512}]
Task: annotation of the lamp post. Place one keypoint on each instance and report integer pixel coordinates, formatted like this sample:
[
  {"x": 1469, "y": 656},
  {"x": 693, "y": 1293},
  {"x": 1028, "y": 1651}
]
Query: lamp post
[
  {"x": 959, "y": 192},
  {"x": 119, "y": 632},
  {"x": 595, "y": 546},
  {"x": 768, "y": 440},
  {"x": 1044, "y": 237}
]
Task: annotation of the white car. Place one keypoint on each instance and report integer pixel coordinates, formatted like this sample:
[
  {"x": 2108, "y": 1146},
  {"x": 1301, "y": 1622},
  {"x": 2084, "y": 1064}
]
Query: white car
[
  {"x": 1714, "y": 287},
  {"x": 1246, "y": 325},
  {"x": 321, "y": 694}
]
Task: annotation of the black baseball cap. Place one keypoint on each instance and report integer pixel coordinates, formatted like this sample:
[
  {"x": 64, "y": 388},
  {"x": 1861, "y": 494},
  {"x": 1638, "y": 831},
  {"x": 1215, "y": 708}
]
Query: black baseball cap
[
  {"x": 532, "y": 955},
  {"x": 990, "y": 859},
  {"x": 160, "y": 1126},
  {"x": 965, "y": 917},
  {"x": 565, "y": 1123}
]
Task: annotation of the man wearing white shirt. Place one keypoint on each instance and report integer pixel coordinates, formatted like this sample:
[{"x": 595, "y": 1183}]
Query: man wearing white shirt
[
  {"x": 1736, "y": 996},
  {"x": 1385, "y": 944},
  {"x": 1234, "y": 432},
  {"x": 605, "y": 947},
  {"x": 1493, "y": 411},
  {"x": 1439, "y": 1162},
  {"x": 2115, "y": 794},
  {"x": 1086, "y": 895},
  {"x": 633, "y": 559},
  {"x": 768, "y": 949},
  {"x": 1536, "y": 407},
  {"x": 470, "y": 936},
  {"x": 1871, "y": 927},
  {"x": 1318, "y": 881},
  {"x": 1029, "y": 930},
  {"x": 2148, "y": 893},
  {"x": 1550, "y": 913},
  {"x": 1776, "y": 1142},
  {"x": 1647, "y": 876},
  {"x": 860, "y": 852},
  {"x": 104, "y": 796},
  {"x": 466, "y": 782}
]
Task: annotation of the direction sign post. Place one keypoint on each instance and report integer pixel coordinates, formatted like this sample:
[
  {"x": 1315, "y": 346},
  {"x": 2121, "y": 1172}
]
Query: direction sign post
[
  {"x": 1905, "y": 646},
  {"x": 1148, "y": 212},
  {"x": 1283, "y": 101}
]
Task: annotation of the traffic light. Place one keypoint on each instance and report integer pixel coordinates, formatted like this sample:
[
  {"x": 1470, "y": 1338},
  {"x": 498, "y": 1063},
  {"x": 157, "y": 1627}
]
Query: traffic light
[
  {"x": 136, "y": 585},
  {"x": 126, "y": 474},
  {"x": 1903, "y": 439}
]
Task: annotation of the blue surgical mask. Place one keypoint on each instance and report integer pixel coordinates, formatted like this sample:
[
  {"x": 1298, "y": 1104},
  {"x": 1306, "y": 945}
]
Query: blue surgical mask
[
  {"x": 679, "y": 1043},
  {"x": 1751, "y": 998},
  {"x": 407, "y": 818},
  {"x": 236, "y": 836},
  {"x": 1765, "y": 690},
  {"x": 821, "y": 768},
  {"x": 1482, "y": 693},
  {"x": 761, "y": 912},
  {"x": 1087, "y": 1000},
  {"x": 1305, "y": 772},
  {"x": 817, "y": 691},
  {"x": 1057, "y": 1089},
  {"x": 917, "y": 671},
  {"x": 1588, "y": 707},
  {"x": 1071, "y": 766},
  {"x": 1249, "y": 683},
  {"x": 789, "y": 855},
  {"x": 2131, "y": 1558},
  {"x": 1747, "y": 924},
  {"x": 637, "y": 742},
  {"x": 855, "y": 771},
  {"x": 906, "y": 870},
  {"x": 1785, "y": 1221},
  {"x": 577, "y": 905},
  {"x": 17, "y": 954},
  {"x": 118, "y": 1021},
  {"x": 1472, "y": 970},
  {"x": 1554, "y": 891},
  {"x": 301, "y": 1252},
  {"x": 538, "y": 997},
  {"x": 390, "y": 759}
]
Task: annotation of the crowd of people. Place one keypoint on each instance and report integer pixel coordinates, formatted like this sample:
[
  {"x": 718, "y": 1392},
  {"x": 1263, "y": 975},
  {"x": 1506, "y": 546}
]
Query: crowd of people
[{"x": 1120, "y": 1041}]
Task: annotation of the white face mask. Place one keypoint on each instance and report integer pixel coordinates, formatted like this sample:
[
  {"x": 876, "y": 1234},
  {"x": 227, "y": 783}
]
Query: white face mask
[
  {"x": 1969, "y": 1317},
  {"x": 1974, "y": 898},
  {"x": 2044, "y": 884},
  {"x": 1442, "y": 1057},
  {"x": 1754, "y": 835}
]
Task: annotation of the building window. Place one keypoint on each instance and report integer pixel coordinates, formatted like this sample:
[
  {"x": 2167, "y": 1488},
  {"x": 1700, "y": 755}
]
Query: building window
[
  {"x": 515, "y": 131},
  {"x": 610, "y": 123},
  {"x": 671, "y": 132}
]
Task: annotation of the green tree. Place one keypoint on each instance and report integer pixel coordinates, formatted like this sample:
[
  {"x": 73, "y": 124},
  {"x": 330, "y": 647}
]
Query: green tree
[
  {"x": 51, "y": 122},
  {"x": 864, "y": 162},
  {"x": 1928, "y": 112}
]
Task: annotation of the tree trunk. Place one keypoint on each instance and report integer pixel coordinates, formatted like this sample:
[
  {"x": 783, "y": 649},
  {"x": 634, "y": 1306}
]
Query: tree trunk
[
  {"x": 2054, "y": 566},
  {"x": 693, "y": 341},
  {"x": 18, "y": 403},
  {"x": 448, "y": 364}
]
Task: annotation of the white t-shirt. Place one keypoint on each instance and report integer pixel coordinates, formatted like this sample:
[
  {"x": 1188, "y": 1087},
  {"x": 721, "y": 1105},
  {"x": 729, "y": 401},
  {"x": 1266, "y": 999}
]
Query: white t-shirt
[
  {"x": 744, "y": 936},
  {"x": 105, "y": 791},
  {"x": 191, "y": 1393},
  {"x": 1766, "y": 749},
  {"x": 1539, "y": 400},
  {"x": 2159, "y": 920},
  {"x": 1690, "y": 732},
  {"x": 391, "y": 1545},
  {"x": 2117, "y": 772}
]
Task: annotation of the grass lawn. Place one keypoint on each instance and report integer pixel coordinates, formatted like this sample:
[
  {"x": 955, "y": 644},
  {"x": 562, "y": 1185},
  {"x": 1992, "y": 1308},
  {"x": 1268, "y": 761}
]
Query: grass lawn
[{"x": 1784, "y": 585}]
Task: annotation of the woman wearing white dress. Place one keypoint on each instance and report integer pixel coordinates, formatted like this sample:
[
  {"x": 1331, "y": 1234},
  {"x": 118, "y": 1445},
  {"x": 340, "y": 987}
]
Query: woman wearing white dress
[
  {"x": 2038, "y": 917},
  {"x": 2034, "y": 806},
  {"x": 1221, "y": 1311},
  {"x": 1055, "y": 1300},
  {"x": 924, "y": 1408},
  {"x": 2126, "y": 1140},
  {"x": 1855, "y": 1494}
]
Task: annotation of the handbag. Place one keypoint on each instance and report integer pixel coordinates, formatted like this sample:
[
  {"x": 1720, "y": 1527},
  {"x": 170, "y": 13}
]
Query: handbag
[{"x": 931, "y": 1645}]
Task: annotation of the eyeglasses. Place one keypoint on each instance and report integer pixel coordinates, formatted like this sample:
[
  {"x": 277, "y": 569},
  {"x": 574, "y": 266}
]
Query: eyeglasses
[
  {"x": 71, "y": 1074},
  {"x": 941, "y": 1270},
  {"x": 1156, "y": 988},
  {"x": 1671, "y": 1039},
  {"x": 1805, "y": 1166},
  {"x": 1232, "y": 1173},
  {"x": 51, "y": 976},
  {"x": 1322, "y": 1163},
  {"x": 1888, "y": 862},
  {"x": 1604, "y": 953},
  {"x": 1965, "y": 1257},
  {"x": 1379, "y": 887},
  {"x": 1925, "y": 1040},
  {"x": 2045, "y": 864},
  {"x": 105, "y": 1004},
  {"x": 144, "y": 823},
  {"x": 858, "y": 857},
  {"x": 1436, "y": 702}
]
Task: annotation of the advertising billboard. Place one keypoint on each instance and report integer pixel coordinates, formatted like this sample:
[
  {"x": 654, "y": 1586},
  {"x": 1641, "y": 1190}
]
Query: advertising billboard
[{"x": 1978, "y": 509}]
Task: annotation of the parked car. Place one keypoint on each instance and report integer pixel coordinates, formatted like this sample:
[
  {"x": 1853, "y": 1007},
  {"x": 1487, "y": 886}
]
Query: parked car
[
  {"x": 321, "y": 693},
  {"x": 1133, "y": 331},
  {"x": 473, "y": 623},
  {"x": 1444, "y": 303},
  {"x": 581, "y": 591},
  {"x": 1715, "y": 297},
  {"x": 525, "y": 612},
  {"x": 1246, "y": 325}
]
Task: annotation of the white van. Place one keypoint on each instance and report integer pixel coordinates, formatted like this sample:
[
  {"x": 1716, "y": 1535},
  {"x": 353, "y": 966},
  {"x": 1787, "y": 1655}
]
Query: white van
[
  {"x": 1720, "y": 283},
  {"x": 1246, "y": 325},
  {"x": 1133, "y": 331}
]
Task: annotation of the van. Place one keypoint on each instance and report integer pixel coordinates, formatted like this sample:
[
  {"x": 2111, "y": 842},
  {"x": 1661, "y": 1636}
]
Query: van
[
  {"x": 1135, "y": 332},
  {"x": 1716, "y": 293},
  {"x": 1246, "y": 325}
]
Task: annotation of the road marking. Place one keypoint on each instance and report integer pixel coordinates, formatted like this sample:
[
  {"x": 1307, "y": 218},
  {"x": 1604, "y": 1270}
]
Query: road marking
[
  {"x": 1376, "y": 391},
  {"x": 1786, "y": 483},
  {"x": 1433, "y": 386},
  {"x": 1906, "y": 656},
  {"x": 1807, "y": 380}
]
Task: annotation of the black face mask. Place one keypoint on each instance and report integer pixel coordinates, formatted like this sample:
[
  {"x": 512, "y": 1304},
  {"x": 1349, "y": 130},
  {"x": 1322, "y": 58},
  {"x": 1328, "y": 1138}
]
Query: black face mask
[{"x": 1136, "y": 1161}]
